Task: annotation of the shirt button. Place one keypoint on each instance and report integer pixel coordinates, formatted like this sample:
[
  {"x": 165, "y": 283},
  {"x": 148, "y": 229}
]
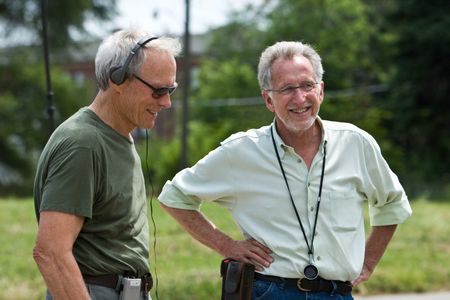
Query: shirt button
[
  {"x": 318, "y": 257},
  {"x": 299, "y": 160},
  {"x": 309, "y": 184},
  {"x": 312, "y": 208}
]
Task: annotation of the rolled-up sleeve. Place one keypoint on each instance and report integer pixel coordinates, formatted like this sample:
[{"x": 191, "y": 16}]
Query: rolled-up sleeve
[{"x": 388, "y": 203}]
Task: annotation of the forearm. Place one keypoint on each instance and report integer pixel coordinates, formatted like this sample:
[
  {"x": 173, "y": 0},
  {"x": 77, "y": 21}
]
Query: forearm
[
  {"x": 53, "y": 255},
  {"x": 376, "y": 244},
  {"x": 201, "y": 229},
  {"x": 61, "y": 275},
  {"x": 250, "y": 251}
]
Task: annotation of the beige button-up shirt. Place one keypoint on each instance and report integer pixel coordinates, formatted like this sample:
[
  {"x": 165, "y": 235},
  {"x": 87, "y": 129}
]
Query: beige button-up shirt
[{"x": 243, "y": 175}]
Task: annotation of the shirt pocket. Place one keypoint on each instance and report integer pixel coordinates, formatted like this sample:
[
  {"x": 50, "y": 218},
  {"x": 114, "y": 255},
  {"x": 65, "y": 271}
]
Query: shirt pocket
[{"x": 345, "y": 209}]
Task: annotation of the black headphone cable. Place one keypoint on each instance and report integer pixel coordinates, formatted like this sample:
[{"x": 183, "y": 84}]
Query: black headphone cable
[{"x": 151, "y": 213}]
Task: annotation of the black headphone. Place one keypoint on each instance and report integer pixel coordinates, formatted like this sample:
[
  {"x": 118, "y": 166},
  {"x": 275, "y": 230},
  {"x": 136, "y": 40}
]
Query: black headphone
[{"x": 118, "y": 74}]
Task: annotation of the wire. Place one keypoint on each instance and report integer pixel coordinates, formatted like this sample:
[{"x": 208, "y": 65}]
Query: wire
[{"x": 152, "y": 190}]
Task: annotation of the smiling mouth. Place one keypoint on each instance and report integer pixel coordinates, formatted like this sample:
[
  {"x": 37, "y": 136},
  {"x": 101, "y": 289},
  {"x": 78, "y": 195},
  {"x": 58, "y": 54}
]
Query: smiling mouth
[
  {"x": 299, "y": 110},
  {"x": 154, "y": 113}
]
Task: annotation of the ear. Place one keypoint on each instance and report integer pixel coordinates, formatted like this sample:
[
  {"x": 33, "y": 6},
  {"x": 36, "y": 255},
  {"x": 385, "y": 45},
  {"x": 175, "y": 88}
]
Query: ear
[
  {"x": 268, "y": 101},
  {"x": 321, "y": 92},
  {"x": 115, "y": 87}
]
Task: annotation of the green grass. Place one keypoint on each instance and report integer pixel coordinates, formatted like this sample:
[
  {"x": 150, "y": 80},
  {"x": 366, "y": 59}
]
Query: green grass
[
  {"x": 19, "y": 276},
  {"x": 417, "y": 259}
]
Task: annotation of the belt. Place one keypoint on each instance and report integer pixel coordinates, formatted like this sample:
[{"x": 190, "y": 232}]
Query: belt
[
  {"x": 316, "y": 285},
  {"x": 114, "y": 281}
]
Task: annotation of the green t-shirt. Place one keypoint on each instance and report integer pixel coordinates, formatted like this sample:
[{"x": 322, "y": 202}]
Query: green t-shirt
[{"x": 89, "y": 169}]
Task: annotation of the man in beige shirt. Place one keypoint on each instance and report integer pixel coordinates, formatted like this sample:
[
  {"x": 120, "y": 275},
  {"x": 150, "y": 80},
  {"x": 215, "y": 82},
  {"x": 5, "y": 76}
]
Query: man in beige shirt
[{"x": 296, "y": 188}]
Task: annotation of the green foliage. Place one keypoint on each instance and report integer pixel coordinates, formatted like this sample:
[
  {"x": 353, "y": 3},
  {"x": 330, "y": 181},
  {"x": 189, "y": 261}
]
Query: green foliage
[
  {"x": 219, "y": 83},
  {"x": 420, "y": 87},
  {"x": 367, "y": 116},
  {"x": 23, "y": 95},
  {"x": 214, "y": 114},
  {"x": 337, "y": 29},
  {"x": 163, "y": 156},
  {"x": 243, "y": 40},
  {"x": 23, "y": 111},
  {"x": 64, "y": 18},
  {"x": 332, "y": 27},
  {"x": 228, "y": 79},
  {"x": 415, "y": 261}
]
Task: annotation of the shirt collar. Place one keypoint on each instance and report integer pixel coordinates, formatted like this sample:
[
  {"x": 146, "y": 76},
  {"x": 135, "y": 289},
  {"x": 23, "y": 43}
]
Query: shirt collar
[
  {"x": 282, "y": 147},
  {"x": 324, "y": 134}
]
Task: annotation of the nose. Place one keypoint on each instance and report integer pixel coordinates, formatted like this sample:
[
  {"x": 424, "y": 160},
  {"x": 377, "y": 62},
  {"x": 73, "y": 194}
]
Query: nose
[
  {"x": 165, "y": 101},
  {"x": 299, "y": 94}
]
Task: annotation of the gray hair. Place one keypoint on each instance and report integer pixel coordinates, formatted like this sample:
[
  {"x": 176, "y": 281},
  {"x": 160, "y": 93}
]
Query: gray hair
[
  {"x": 114, "y": 50},
  {"x": 286, "y": 50}
]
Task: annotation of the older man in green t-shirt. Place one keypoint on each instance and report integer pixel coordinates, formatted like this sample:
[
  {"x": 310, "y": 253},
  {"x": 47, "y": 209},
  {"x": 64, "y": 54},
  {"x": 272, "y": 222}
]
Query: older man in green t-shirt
[{"x": 90, "y": 190}]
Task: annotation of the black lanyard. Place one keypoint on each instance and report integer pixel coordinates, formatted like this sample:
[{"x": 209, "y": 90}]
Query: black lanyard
[{"x": 310, "y": 248}]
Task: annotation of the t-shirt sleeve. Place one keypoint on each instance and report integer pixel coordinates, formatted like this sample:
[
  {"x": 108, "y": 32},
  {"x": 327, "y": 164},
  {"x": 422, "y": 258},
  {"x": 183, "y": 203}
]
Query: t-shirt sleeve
[{"x": 70, "y": 184}]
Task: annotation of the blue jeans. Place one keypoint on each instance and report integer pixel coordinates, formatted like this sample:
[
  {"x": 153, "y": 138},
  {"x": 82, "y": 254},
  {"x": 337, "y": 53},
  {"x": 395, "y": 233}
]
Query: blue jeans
[
  {"x": 98, "y": 292},
  {"x": 267, "y": 290}
]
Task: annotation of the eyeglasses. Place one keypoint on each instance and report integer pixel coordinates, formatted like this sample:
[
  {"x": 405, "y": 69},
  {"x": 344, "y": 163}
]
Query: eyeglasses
[
  {"x": 158, "y": 92},
  {"x": 306, "y": 86}
]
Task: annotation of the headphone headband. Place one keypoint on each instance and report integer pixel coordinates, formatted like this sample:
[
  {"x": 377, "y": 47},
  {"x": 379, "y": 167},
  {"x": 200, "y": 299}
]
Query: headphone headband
[{"x": 118, "y": 74}]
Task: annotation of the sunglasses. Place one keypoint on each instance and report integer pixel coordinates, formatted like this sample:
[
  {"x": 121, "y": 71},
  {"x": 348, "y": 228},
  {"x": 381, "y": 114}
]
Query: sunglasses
[{"x": 158, "y": 92}]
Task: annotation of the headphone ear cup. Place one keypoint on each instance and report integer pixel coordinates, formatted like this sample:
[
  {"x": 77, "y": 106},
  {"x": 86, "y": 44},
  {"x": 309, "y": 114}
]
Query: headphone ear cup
[{"x": 117, "y": 75}]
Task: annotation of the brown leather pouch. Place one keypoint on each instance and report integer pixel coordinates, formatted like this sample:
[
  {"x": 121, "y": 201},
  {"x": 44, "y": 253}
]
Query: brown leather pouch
[{"x": 237, "y": 279}]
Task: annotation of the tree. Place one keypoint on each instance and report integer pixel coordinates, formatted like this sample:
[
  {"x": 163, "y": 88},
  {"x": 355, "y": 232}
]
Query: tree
[
  {"x": 220, "y": 83},
  {"x": 422, "y": 84},
  {"x": 65, "y": 18},
  {"x": 339, "y": 30},
  {"x": 23, "y": 124},
  {"x": 240, "y": 40},
  {"x": 23, "y": 119}
]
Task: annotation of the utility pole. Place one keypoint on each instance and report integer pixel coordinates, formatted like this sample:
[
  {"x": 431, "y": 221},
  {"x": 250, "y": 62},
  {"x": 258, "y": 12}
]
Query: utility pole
[
  {"x": 186, "y": 88},
  {"x": 50, "y": 106}
]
